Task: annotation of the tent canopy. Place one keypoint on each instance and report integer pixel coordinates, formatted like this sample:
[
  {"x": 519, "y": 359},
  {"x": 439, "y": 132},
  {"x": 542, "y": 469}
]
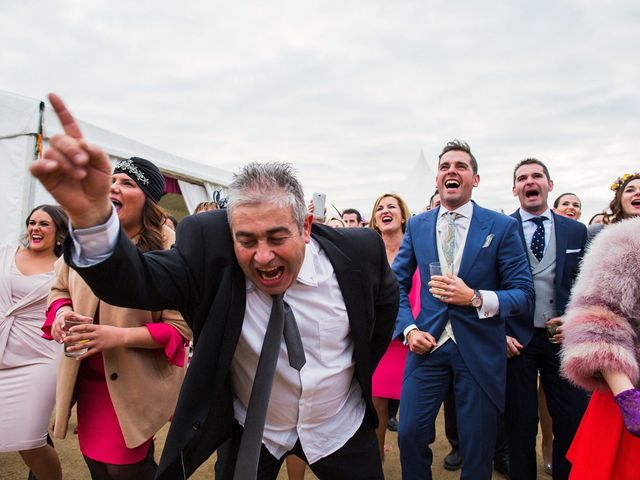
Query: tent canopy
[
  {"x": 418, "y": 185},
  {"x": 26, "y": 124}
]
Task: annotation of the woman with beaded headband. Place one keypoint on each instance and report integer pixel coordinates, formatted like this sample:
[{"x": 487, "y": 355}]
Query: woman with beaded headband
[
  {"x": 625, "y": 203},
  {"x": 126, "y": 374}
]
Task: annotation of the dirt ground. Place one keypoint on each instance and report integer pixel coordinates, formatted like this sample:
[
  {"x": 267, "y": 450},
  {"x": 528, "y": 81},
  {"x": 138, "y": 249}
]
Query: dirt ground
[{"x": 74, "y": 468}]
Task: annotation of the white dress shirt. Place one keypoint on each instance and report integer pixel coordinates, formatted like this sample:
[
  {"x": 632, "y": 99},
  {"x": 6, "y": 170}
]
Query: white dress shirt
[
  {"x": 322, "y": 404},
  {"x": 490, "y": 303},
  {"x": 529, "y": 227}
]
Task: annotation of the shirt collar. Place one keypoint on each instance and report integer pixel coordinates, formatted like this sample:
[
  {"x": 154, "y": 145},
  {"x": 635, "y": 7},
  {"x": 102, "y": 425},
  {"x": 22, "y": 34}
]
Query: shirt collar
[
  {"x": 526, "y": 216},
  {"x": 307, "y": 274},
  {"x": 465, "y": 210}
]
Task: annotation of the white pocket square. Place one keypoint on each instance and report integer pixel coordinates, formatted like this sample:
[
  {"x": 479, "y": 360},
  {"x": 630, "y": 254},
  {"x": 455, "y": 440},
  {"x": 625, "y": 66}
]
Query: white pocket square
[
  {"x": 487, "y": 241},
  {"x": 574, "y": 250}
]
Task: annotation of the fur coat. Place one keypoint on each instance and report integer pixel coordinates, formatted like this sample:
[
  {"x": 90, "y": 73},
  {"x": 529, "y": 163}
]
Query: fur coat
[{"x": 602, "y": 323}]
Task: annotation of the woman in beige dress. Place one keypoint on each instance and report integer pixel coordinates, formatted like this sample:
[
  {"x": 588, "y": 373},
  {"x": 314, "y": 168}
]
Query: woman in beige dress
[{"x": 27, "y": 361}]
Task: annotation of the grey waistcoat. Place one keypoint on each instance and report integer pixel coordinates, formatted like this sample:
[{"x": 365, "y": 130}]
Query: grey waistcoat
[{"x": 544, "y": 275}]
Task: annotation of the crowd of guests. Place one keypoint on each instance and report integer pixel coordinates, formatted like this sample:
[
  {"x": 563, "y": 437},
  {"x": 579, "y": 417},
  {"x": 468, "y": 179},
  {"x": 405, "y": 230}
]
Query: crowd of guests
[{"x": 510, "y": 320}]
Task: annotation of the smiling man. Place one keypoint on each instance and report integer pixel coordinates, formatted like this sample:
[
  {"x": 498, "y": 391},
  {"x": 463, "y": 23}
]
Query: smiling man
[
  {"x": 555, "y": 246},
  {"x": 352, "y": 218},
  {"x": 459, "y": 335},
  {"x": 289, "y": 319}
]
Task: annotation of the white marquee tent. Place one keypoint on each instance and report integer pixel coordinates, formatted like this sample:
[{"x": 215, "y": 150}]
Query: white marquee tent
[
  {"x": 26, "y": 125},
  {"x": 418, "y": 185}
]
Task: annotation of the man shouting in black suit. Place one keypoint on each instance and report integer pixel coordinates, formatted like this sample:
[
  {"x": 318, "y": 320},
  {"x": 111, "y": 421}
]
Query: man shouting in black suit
[{"x": 289, "y": 319}]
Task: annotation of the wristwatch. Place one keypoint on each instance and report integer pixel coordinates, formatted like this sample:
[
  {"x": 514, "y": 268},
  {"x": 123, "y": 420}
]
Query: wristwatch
[{"x": 476, "y": 300}]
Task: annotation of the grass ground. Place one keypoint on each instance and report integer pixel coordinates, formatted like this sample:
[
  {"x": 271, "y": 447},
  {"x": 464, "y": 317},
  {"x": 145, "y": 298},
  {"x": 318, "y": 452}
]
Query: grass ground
[{"x": 74, "y": 468}]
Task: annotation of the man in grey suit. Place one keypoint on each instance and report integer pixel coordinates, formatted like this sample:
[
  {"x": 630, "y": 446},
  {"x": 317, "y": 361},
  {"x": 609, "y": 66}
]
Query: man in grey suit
[{"x": 555, "y": 246}]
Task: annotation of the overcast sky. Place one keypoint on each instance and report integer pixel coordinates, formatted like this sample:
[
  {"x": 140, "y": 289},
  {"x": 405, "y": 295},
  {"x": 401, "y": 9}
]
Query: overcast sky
[{"x": 350, "y": 92}]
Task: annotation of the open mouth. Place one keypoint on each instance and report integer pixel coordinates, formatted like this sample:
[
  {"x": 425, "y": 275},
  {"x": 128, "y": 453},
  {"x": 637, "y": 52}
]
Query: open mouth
[
  {"x": 531, "y": 194},
  {"x": 36, "y": 238},
  {"x": 635, "y": 202},
  {"x": 271, "y": 274},
  {"x": 451, "y": 183},
  {"x": 116, "y": 204},
  {"x": 386, "y": 219}
]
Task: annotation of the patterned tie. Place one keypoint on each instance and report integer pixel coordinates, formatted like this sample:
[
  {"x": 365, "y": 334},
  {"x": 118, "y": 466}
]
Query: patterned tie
[
  {"x": 537, "y": 241},
  {"x": 449, "y": 239},
  {"x": 281, "y": 322}
]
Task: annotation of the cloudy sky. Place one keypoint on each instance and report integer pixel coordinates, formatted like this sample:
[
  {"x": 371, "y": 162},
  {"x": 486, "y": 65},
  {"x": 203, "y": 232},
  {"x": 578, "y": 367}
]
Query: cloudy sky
[{"x": 349, "y": 91}]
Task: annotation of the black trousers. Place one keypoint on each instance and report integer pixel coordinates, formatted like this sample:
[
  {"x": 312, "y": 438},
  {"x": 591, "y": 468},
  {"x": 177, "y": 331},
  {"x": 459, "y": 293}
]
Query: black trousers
[
  {"x": 566, "y": 405},
  {"x": 358, "y": 459}
]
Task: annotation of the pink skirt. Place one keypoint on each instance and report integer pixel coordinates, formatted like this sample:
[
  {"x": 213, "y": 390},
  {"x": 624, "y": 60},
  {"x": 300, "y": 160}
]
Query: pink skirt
[
  {"x": 99, "y": 432},
  {"x": 387, "y": 379}
]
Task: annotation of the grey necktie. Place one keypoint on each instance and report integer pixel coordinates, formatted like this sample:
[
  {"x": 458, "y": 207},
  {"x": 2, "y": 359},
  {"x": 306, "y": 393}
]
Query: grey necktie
[
  {"x": 449, "y": 239},
  {"x": 281, "y": 322}
]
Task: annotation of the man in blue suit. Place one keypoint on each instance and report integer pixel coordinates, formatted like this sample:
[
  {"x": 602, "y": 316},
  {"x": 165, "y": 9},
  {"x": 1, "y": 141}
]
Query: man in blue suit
[
  {"x": 555, "y": 246},
  {"x": 459, "y": 335}
]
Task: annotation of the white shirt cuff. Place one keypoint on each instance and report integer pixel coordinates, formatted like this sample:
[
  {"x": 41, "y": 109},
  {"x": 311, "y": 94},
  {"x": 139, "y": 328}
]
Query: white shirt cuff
[
  {"x": 94, "y": 244},
  {"x": 413, "y": 326},
  {"x": 490, "y": 304}
]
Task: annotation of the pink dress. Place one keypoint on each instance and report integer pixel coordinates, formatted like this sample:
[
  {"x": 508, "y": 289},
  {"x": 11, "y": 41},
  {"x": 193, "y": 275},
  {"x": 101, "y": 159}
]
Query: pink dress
[
  {"x": 99, "y": 433},
  {"x": 387, "y": 379}
]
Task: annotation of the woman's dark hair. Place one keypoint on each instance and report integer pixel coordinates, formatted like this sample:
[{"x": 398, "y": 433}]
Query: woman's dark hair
[
  {"x": 60, "y": 220},
  {"x": 557, "y": 201},
  {"x": 615, "y": 207},
  {"x": 151, "y": 237},
  {"x": 603, "y": 214}
]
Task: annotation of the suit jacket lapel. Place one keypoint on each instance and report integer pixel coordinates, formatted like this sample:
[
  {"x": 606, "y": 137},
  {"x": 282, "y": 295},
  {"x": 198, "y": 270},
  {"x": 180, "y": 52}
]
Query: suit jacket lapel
[
  {"x": 517, "y": 216},
  {"x": 479, "y": 228},
  {"x": 430, "y": 231},
  {"x": 350, "y": 282},
  {"x": 562, "y": 233},
  {"x": 237, "y": 306}
]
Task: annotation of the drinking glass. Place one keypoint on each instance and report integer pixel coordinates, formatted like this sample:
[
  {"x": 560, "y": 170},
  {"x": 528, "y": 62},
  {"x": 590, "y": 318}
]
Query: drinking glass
[{"x": 67, "y": 325}]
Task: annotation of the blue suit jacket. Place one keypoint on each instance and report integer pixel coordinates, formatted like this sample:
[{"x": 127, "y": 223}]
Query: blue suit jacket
[
  {"x": 571, "y": 239},
  {"x": 493, "y": 259}
]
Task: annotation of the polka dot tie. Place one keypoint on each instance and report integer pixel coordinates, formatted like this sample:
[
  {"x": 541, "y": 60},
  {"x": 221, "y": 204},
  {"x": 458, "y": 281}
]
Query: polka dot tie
[{"x": 537, "y": 241}]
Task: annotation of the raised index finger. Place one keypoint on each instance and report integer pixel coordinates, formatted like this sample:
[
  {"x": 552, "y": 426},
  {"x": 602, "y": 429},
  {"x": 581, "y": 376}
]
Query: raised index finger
[{"x": 69, "y": 124}]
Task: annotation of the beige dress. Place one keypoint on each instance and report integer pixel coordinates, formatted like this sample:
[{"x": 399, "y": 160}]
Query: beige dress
[{"x": 28, "y": 362}]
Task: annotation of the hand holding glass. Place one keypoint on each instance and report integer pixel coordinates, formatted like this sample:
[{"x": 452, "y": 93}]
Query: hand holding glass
[
  {"x": 551, "y": 323},
  {"x": 72, "y": 322},
  {"x": 435, "y": 269}
]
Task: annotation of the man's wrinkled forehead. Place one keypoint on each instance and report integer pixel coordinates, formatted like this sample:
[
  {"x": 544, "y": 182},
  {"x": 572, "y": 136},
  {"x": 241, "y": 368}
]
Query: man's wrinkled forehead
[{"x": 273, "y": 214}]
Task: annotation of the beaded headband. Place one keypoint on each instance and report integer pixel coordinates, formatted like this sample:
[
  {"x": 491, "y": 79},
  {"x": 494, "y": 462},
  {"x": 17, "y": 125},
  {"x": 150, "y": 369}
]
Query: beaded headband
[{"x": 128, "y": 166}]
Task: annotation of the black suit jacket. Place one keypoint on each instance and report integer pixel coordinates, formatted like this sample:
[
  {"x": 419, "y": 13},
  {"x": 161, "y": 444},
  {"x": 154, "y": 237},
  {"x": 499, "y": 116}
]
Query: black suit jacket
[
  {"x": 201, "y": 278},
  {"x": 571, "y": 239}
]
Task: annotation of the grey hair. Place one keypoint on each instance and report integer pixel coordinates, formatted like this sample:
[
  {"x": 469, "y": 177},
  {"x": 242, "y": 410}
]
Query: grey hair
[{"x": 272, "y": 182}]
